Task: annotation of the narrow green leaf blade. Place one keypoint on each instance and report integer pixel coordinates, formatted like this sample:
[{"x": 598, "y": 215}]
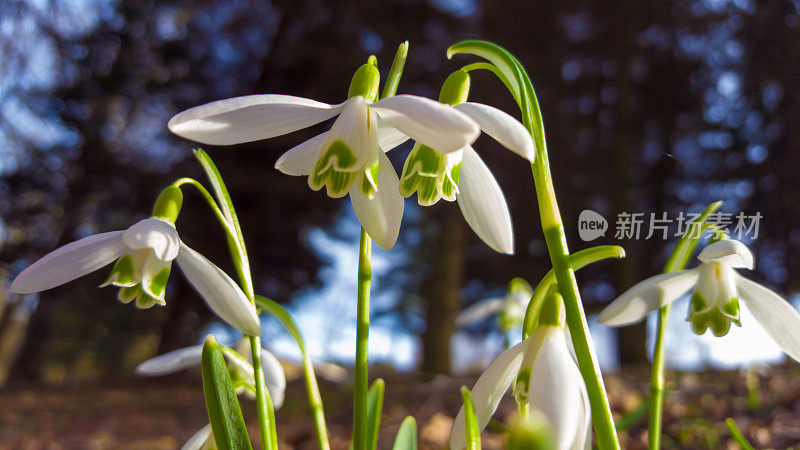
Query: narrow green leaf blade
[
  {"x": 374, "y": 410},
  {"x": 224, "y": 413},
  {"x": 407, "y": 435},
  {"x": 737, "y": 435},
  {"x": 470, "y": 421},
  {"x": 577, "y": 260},
  {"x": 685, "y": 247}
]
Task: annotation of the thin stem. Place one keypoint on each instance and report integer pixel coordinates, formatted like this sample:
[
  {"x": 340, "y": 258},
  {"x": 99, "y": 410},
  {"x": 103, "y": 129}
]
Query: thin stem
[
  {"x": 362, "y": 337},
  {"x": 269, "y": 434},
  {"x": 677, "y": 261},
  {"x": 556, "y": 240},
  {"x": 315, "y": 403},
  {"x": 266, "y": 412}
]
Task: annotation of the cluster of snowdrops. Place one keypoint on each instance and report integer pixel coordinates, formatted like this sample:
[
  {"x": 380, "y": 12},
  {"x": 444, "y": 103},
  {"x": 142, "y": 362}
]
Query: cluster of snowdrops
[{"x": 552, "y": 374}]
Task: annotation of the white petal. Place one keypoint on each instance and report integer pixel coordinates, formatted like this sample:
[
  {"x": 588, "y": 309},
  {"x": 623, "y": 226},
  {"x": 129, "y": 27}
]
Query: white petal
[
  {"x": 555, "y": 388},
  {"x": 502, "y": 127},
  {"x": 198, "y": 440},
  {"x": 480, "y": 310},
  {"x": 730, "y": 252},
  {"x": 300, "y": 160},
  {"x": 171, "y": 362},
  {"x": 428, "y": 122},
  {"x": 647, "y": 296},
  {"x": 69, "y": 262},
  {"x": 357, "y": 126},
  {"x": 274, "y": 377},
  {"x": 249, "y": 118},
  {"x": 389, "y": 137},
  {"x": 483, "y": 205},
  {"x": 777, "y": 316},
  {"x": 488, "y": 391},
  {"x": 219, "y": 291},
  {"x": 381, "y": 215},
  {"x": 150, "y": 269},
  {"x": 155, "y": 234}
]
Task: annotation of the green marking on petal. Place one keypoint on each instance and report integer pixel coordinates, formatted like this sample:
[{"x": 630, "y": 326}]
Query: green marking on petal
[
  {"x": 698, "y": 303},
  {"x": 423, "y": 173},
  {"x": 369, "y": 182},
  {"x": 450, "y": 183},
  {"x": 715, "y": 319},
  {"x": 128, "y": 293},
  {"x": 123, "y": 274},
  {"x": 731, "y": 309},
  {"x": 158, "y": 284},
  {"x": 335, "y": 169},
  {"x": 145, "y": 300},
  {"x": 522, "y": 384}
]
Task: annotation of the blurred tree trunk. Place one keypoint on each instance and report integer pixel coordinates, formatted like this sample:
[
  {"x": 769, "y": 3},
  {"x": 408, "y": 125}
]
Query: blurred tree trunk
[
  {"x": 443, "y": 293},
  {"x": 632, "y": 339}
]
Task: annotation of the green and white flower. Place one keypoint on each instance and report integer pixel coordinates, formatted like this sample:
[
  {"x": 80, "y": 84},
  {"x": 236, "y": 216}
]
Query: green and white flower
[
  {"x": 460, "y": 175},
  {"x": 348, "y": 159},
  {"x": 717, "y": 291},
  {"x": 143, "y": 254},
  {"x": 546, "y": 376},
  {"x": 241, "y": 370},
  {"x": 510, "y": 309}
]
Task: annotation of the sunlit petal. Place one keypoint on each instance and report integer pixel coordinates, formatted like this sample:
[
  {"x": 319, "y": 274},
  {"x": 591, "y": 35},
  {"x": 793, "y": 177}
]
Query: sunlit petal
[
  {"x": 70, "y": 262},
  {"x": 502, "y": 127},
  {"x": 300, "y": 160},
  {"x": 155, "y": 274},
  {"x": 480, "y": 310},
  {"x": 274, "y": 377},
  {"x": 155, "y": 234},
  {"x": 219, "y": 291},
  {"x": 483, "y": 204},
  {"x": 171, "y": 362},
  {"x": 200, "y": 440},
  {"x": 488, "y": 391},
  {"x": 730, "y": 252},
  {"x": 389, "y": 137},
  {"x": 428, "y": 122},
  {"x": 381, "y": 215},
  {"x": 249, "y": 118},
  {"x": 554, "y": 388},
  {"x": 777, "y": 316},
  {"x": 647, "y": 296}
]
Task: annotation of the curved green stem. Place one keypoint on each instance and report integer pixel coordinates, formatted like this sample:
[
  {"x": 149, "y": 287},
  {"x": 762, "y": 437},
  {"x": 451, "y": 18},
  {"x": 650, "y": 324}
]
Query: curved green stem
[
  {"x": 362, "y": 338},
  {"x": 677, "y": 261},
  {"x": 554, "y": 234},
  {"x": 266, "y": 412},
  {"x": 577, "y": 260}
]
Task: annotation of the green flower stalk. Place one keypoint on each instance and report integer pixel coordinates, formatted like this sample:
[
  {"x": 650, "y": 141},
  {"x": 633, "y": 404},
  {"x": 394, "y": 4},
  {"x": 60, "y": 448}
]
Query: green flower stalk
[{"x": 521, "y": 88}]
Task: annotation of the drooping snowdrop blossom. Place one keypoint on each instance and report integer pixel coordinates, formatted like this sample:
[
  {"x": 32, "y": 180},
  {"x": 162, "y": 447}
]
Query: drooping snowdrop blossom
[
  {"x": 144, "y": 254},
  {"x": 348, "y": 159},
  {"x": 717, "y": 291},
  {"x": 459, "y": 174},
  {"x": 510, "y": 309},
  {"x": 545, "y": 375},
  {"x": 241, "y": 371}
]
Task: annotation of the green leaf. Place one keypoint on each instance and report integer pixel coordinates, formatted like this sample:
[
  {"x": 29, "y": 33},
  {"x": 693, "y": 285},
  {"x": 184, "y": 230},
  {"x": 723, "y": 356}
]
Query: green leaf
[
  {"x": 396, "y": 71},
  {"x": 374, "y": 410},
  {"x": 685, "y": 247},
  {"x": 224, "y": 413},
  {"x": 737, "y": 435},
  {"x": 470, "y": 421},
  {"x": 407, "y": 435},
  {"x": 236, "y": 244},
  {"x": 577, "y": 260}
]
